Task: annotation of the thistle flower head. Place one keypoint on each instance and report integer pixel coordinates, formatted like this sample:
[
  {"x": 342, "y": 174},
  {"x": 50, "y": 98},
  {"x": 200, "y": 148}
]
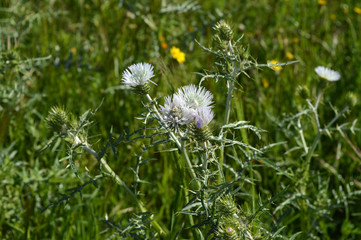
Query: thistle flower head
[
  {"x": 138, "y": 76},
  {"x": 327, "y": 74},
  {"x": 199, "y": 129},
  {"x": 175, "y": 113},
  {"x": 195, "y": 97},
  {"x": 57, "y": 119},
  {"x": 203, "y": 117}
]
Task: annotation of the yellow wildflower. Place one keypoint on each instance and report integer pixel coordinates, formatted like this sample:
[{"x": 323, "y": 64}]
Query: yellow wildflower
[
  {"x": 265, "y": 83},
  {"x": 181, "y": 57},
  {"x": 274, "y": 62},
  {"x": 289, "y": 55},
  {"x": 295, "y": 40},
  {"x": 178, "y": 54},
  {"x": 322, "y": 2},
  {"x": 345, "y": 10},
  {"x": 357, "y": 10},
  {"x": 162, "y": 38}
]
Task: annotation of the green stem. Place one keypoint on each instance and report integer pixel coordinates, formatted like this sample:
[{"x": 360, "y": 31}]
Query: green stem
[
  {"x": 109, "y": 170},
  {"x": 190, "y": 217},
  {"x": 314, "y": 145},
  {"x": 240, "y": 114},
  {"x": 227, "y": 113},
  {"x": 230, "y": 85},
  {"x": 300, "y": 131},
  {"x": 205, "y": 162},
  {"x": 180, "y": 145}
]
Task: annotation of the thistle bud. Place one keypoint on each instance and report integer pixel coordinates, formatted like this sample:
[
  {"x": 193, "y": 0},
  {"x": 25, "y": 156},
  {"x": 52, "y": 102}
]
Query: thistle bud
[
  {"x": 303, "y": 92},
  {"x": 223, "y": 30},
  {"x": 226, "y": 206},
  {"x": 200, "y": 134},
  {"x": 58, "y": 120},
  {"x": 351, "y": 99},
  {"x": 227, "y": 231},
  {"x": 230, "y": 233}
]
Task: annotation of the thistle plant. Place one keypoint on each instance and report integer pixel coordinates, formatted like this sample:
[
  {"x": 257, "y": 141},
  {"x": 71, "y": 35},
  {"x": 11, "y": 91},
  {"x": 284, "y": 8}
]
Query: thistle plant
[
  {"x": 220, "y": 197},
  {"x": 311, "y": 194}
]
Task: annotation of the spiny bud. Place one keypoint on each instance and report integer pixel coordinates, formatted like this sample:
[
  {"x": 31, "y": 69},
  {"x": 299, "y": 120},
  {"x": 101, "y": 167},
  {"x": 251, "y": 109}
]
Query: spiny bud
[
  {"x": 9, "y": 59},
  {"x": 303, "y": 92},
  {"x": 230, "y": 233},
  {"x": 227, "y": 232},
  {"x": 351, "y": 99},
  {"x": 57, "y": 119},
  {"x": 226, "y": 206},
  {"x": 200, "y": 134},
  {"x": 223, "y": 30}
]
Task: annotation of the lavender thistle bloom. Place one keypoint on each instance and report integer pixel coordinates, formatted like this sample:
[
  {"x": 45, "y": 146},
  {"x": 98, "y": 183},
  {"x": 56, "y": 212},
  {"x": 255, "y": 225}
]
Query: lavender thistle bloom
[
  {"x": 175, "y": 113},
  {"x": 195, "y": 97},
  {"x": 203, "y": 117},
  {"x": 138, "y": 75}
]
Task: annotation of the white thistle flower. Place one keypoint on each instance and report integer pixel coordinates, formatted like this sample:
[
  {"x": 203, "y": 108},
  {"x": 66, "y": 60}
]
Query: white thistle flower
[
  {"x": 195, "y": 97},
  {"x": 175, "y": 113},
  {"x": 203, "y": 117},
  {"x": 138, "y": 75},
  {"x": 328, "y": 74}
]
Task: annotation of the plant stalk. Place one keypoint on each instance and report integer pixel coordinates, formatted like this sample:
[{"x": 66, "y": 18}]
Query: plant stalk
[
  {"x": 230, "y": 86},
  {"x": 115, "y": 177},
  {"x": 180, "y": 145}
]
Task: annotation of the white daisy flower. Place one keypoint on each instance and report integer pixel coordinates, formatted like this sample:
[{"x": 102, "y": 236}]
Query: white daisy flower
[
  {"x": 195, "y": 97},
  {"x": 175, "y": 113},
  {"x": 138, "y": 75},
  {"x": 203, "y": 117},
  {"x": 328, "y": 74}
]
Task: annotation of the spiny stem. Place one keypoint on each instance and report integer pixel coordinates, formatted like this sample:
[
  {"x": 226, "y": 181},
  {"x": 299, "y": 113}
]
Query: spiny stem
[
  {"x": 315, "y": 143},
  {"x": 205, "y": 162},
  {"x": 115, "y": 177},
  {"x": 300, "y": 131},
  {"x": 230, "y": 85}
]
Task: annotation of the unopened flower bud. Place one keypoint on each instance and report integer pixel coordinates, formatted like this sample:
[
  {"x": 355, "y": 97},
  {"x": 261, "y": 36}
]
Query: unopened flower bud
[
  {"x": 303, "y": 92},
  {"x": 226, "y": 206},
  {"x": 200, "y": 134},
  {"x": 351, "y": 99},
  {"x": 223, "y": 30},
  {"x": 230, "y": 233},
  {"x": 58, "y": 119}
]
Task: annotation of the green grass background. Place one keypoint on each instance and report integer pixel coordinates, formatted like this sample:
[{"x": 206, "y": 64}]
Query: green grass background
[{"x": 111, "y": 35}]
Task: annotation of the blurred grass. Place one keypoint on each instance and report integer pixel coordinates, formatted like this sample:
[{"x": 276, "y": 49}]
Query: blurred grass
[{"x": 92, "y": 42}]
